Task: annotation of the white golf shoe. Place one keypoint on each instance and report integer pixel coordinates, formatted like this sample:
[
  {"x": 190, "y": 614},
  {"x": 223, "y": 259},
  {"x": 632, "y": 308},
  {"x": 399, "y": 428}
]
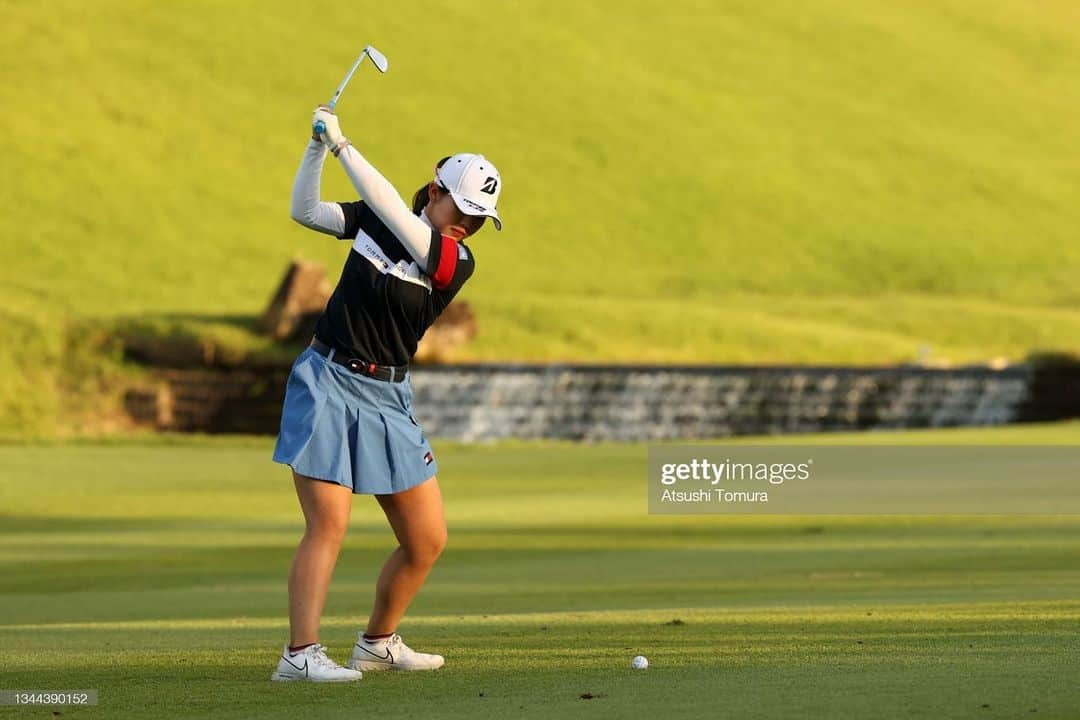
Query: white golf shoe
[
  {"x": 313, "y": 665},
  {"x": 390, "y": 654}
]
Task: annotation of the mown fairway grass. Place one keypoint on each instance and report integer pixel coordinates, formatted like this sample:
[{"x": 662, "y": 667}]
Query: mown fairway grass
[
  {"x": 155, "y": 571},
  {"x": 839, "y": 181}
]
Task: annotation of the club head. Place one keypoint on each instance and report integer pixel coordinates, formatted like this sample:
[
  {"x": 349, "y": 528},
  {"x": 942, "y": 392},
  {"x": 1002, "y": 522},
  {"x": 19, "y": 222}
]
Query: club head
[{"x": 378, "y": 58}]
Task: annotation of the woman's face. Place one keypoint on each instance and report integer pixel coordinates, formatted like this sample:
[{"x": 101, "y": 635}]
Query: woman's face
[{"x": 447, "y": 219}]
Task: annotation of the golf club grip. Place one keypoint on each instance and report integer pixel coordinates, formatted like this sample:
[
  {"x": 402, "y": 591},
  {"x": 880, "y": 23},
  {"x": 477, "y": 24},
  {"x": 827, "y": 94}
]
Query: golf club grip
[{"x": 320, "y": 126}]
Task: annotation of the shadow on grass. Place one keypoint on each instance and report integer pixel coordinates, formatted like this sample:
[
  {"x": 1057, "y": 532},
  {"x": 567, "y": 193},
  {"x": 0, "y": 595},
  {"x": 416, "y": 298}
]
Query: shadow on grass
[{"x": 184, "y": 340}]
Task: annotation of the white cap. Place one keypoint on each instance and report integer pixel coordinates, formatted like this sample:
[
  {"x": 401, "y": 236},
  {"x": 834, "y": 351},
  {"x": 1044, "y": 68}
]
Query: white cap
[{"x": 474, "y": 183}]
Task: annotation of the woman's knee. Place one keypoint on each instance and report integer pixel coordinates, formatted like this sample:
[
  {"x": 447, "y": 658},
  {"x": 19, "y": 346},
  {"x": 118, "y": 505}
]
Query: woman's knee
[
  {"x": 426, "y": 548},
  {"x": 328, "y": 529}
]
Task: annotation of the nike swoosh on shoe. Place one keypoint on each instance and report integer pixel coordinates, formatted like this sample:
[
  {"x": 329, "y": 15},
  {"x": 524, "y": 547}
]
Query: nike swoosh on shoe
[
  {"x": 304, "y": 668},
  {"x": 387, "y": 656}
]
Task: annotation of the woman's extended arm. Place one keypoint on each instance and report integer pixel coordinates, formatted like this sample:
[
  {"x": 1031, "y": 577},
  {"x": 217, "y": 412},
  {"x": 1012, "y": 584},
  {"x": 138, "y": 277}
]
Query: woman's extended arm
[
  {"x": 378, "y": 194},
  {"x": 306, "y": 209},
  {"x": 385, "y": 202}
]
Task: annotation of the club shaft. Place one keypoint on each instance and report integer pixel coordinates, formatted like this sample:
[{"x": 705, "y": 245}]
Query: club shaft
[
  {"x": 319, "y": 126},
  {"x": 348, "y": 77}
]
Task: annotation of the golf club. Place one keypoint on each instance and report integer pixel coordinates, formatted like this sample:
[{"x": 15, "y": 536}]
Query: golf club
[{"x": 381, "y": 64}]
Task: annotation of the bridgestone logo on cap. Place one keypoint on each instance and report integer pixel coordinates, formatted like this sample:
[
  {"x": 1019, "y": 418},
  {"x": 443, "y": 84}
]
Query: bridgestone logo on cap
[{"x": 475, "y": 206}]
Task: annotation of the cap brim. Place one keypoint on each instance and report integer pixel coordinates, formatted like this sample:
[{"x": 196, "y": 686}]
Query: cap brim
[{"x": 470, "y": 208}]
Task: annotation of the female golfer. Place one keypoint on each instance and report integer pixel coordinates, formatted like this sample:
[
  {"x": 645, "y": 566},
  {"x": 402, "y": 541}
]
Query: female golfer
[{"x": 347, "y": 425}]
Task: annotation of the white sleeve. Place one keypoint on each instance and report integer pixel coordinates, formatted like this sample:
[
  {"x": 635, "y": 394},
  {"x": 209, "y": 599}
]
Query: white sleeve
[
  {"x": 384, "y": 201},
  {"x": 326, "y": 217}
]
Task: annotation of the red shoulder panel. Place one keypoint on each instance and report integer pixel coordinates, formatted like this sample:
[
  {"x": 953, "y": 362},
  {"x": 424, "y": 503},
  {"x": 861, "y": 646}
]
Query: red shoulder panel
[{"x": 447, "y": 264}]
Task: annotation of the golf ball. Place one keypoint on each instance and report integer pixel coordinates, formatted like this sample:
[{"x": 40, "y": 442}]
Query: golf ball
[{"x": 640, "y": 662}]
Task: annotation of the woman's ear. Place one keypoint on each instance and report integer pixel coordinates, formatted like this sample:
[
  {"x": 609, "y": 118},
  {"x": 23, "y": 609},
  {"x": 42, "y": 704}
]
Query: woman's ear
[{"x": 432, "y": 192}]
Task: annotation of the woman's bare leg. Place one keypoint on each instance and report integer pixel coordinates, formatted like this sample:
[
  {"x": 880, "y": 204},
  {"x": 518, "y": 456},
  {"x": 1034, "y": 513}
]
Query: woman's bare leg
[
  {"x": 416, "y": 516},
  {"x": 326, "y": 509}
]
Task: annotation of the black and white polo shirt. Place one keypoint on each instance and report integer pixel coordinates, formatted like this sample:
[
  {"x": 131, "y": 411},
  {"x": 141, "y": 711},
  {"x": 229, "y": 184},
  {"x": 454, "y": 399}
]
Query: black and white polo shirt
[{"x": 384, "y": 301}]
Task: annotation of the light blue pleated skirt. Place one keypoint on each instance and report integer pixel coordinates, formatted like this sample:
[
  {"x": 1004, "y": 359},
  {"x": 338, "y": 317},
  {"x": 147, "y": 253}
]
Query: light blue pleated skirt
[{"x": 351, "y": 429}]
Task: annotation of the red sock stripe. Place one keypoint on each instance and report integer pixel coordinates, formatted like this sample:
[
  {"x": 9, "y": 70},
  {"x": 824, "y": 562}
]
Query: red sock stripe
[
  {"x": 377, "y": 637},
  {"x": 448, "y": 255}
]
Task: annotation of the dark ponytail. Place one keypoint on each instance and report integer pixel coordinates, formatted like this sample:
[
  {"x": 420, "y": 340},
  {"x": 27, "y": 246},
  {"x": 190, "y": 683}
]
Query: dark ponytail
[{"x": 420, "y": 197}]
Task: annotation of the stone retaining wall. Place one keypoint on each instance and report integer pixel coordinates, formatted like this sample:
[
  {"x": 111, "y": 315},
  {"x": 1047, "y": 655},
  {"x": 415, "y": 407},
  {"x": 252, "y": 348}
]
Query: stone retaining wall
[{"x": 634, "y": 404}]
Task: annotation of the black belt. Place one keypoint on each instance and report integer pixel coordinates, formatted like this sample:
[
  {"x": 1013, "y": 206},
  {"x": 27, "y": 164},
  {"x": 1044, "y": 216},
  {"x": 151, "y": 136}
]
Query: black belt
[{"x": 389, "y": 373}]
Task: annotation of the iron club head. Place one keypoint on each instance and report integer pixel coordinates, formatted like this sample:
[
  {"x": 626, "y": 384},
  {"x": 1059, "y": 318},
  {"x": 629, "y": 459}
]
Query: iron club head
[{"x": 377, "y": 58}]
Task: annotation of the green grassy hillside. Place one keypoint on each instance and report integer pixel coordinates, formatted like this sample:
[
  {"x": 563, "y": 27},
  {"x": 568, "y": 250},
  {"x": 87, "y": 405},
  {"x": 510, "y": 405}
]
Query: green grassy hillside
[{"x": 686, "y": 181}]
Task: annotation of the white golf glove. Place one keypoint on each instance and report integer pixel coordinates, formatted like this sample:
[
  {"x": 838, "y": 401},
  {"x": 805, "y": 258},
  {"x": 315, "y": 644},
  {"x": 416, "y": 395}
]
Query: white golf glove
[{"x": 331, "y": 136}]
